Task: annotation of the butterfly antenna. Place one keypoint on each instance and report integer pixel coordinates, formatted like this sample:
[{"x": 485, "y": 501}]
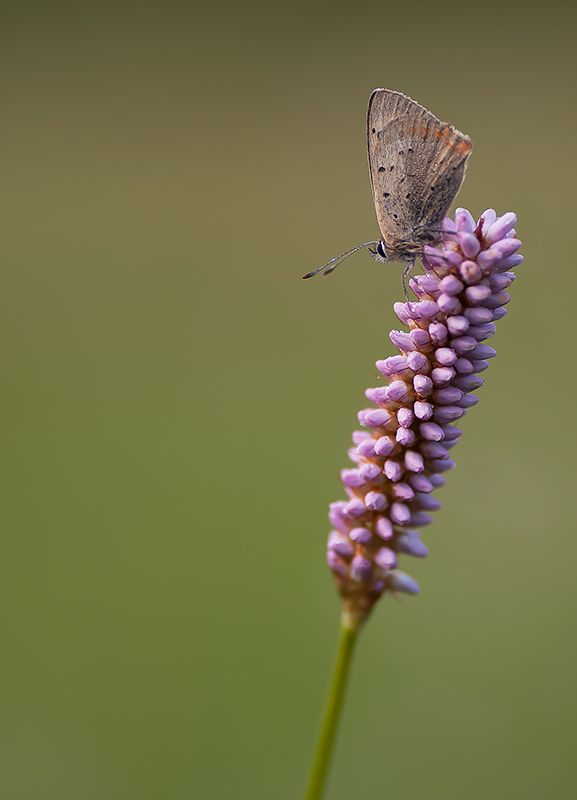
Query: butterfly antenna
[{"x": 334, "y": 262}]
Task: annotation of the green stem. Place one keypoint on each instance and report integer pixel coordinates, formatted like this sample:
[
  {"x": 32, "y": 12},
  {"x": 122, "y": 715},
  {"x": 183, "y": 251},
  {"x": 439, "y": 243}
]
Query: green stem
[{"x": 332, "y": 713}]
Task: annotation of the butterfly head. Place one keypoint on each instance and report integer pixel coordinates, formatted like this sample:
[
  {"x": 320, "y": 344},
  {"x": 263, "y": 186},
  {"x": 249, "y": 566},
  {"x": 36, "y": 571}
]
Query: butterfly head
[{"x": 380, "y": 253}]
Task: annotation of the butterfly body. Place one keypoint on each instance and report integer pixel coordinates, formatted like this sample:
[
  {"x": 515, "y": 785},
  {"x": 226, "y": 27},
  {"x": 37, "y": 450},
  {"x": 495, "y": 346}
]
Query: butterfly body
[{"x": 404, "y": 250}]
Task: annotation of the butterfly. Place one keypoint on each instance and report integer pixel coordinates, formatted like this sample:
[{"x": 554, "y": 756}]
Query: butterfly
[{"x": 416, "y": 166}]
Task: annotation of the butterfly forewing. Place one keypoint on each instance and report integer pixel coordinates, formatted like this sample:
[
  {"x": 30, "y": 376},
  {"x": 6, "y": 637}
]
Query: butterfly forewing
[{"x": 416, "y": 165}]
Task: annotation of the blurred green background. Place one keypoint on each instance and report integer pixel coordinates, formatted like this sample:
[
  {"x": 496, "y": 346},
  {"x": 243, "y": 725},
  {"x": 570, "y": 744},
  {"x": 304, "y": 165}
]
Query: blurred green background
[{"x": 177, "y": 404}]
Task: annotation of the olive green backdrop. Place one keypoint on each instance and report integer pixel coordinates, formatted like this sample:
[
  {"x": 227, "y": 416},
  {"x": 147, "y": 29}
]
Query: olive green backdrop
[{"x": 177, "y": 404}]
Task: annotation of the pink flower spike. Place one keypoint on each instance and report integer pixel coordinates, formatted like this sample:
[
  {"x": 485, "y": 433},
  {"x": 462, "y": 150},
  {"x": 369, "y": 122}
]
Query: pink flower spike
[{"x": 403, "y": 454}]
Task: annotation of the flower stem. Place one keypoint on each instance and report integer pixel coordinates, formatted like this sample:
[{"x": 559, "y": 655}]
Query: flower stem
[{"x": 332, "y": 712}]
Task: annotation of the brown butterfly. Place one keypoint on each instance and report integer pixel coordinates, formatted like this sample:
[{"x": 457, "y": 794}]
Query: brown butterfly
[{"x": 416, "y": 165}]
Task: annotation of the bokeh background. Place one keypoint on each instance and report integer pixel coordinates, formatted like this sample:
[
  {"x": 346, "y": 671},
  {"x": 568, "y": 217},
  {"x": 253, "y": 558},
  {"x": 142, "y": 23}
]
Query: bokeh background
[{"x": 177, "y": 404}]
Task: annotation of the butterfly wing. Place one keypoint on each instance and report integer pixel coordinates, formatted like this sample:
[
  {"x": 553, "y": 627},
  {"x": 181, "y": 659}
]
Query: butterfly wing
[{"x": 416, "y": 164}]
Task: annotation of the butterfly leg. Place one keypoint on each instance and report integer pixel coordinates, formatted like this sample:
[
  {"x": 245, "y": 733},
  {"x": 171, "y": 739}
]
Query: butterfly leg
[{"x": 406, "y": 273}]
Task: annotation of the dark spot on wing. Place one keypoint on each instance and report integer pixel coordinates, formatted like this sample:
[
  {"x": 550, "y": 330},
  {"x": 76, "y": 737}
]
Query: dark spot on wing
[
  {"x": 386, "y": 194},
  {"x": 381, "y": 169}
]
